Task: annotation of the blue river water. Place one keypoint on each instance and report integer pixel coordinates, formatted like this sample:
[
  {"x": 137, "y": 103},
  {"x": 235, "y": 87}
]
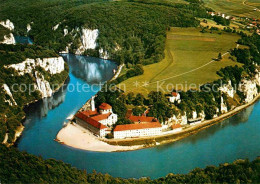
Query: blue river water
[
  {"x": 234, "y": 138},
  {"x": 23, "y": 40}
]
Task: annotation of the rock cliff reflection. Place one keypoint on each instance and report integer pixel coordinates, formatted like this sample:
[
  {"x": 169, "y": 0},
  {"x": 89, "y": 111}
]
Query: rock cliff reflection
[{"x": 91, "y": 70}]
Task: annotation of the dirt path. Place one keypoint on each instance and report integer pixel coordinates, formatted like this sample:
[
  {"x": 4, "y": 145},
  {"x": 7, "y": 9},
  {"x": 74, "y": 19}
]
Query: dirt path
[{"x": 255, "y": 8}]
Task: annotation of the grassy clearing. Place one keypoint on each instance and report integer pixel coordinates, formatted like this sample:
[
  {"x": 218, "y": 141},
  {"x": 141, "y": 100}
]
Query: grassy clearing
[
  {"x": 241, "y": 8},
  {"x": 186, "y": 52}
]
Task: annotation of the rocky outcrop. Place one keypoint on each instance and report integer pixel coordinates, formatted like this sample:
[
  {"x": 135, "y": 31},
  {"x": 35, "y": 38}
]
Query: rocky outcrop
[
  {"x": 42, "y": 85},
  {"x": 228, "y": 89},
  {"x": 28, "y": 28},
  {"x": 52, "y": 65},
  {"x": 7, "y": 24},
  {"x": 55, "y": 27},
  {"x": 202, "y": 115},
  {"x": 66, "y": 31},
  {"x": 194, "y": 115},
  {"x": 249, "y": 89},
  {"x": 103, "y": 54},
  {"x": 223, "y": 107},
  {"x": 88, "y": 40},
  {"x": 8, "y": 39},
  {"x": 7, "y": 91}
]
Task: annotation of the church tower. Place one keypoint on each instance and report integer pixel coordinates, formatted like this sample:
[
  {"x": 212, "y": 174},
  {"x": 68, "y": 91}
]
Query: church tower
[{"x": 93, "y": 103}]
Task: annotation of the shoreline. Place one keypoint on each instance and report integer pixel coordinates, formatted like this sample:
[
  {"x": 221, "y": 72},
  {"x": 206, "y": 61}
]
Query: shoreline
[
  {"x": 20, "y": 129},
  {"x": 131, "y": 144}
]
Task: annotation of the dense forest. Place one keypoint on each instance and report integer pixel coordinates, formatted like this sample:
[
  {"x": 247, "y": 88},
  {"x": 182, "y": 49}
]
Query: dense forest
[
  {"x": 21, "y": 167},
  {"x": 130, "y": 31}
]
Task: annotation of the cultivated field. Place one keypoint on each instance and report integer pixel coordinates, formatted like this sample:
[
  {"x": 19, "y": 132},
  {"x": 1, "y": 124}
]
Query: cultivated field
[
  {"x": 188, "y": 60},
  {"x": 243, "y": 8}
]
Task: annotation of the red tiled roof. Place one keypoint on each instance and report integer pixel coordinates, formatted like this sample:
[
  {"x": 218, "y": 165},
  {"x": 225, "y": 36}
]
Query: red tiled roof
[
  {"x": 176, "y": 126},
  {"x": 90, "y": 121},
  {"x": 174, "y": 94},
  {"x": 142, "y": 119},
  {"x": 101, "y": 116},
  {"x": 105, "y": 106},
  {"x": 90, "y": 112},
  {"x": 137, "y": 126}
]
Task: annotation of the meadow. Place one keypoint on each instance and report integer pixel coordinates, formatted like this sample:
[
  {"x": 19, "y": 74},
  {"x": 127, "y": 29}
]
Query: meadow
[
  {"x": 188, "y": 63},
  {"x": 242, "y": 8}
]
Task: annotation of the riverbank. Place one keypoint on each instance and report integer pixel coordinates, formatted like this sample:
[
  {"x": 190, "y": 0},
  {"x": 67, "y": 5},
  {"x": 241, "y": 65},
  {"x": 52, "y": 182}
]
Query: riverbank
[
  {"x": 19, "y": 130},
  {"x": 77, "y": 137}
]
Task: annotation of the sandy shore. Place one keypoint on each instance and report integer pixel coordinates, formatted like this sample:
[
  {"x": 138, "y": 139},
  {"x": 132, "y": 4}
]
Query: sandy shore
[{"x": 77, "y": 137}]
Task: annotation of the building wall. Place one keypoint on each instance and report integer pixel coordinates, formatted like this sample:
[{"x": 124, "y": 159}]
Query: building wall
[
  {"x": 101, "y": 133},
  {"x": 101, "y": 111},
  {"x": 137, "y": 133},
  {"x": 112, "y": 119}
]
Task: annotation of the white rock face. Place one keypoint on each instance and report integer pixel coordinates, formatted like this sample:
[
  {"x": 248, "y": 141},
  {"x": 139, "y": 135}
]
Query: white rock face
[
  {"x": 42, "y": 85},
  {"x": 7, "y": 24},
  {"x": 249, "y": 89},
  {"x": 52, "y": 65},
  {"x": 55, "y": 27},
  {"x": 228, "y": 89},
  {"x": 194, "y": 115},
  {"x": 184, "y": 119},
  {"x": 223, "y": 107},
  {"x": 117, "y": 47},
  {"x": 202, "y": 115},
  {"x": 66, "y": 31},
  {"x": 103, "y": 54},
  {"x": 28, "y": 28},
  {"x": 88, "y": 40},
  {"x": 8, "y": 39},
  {"x": 11, "y": 101},
  {"x": 257, "y": 78}
]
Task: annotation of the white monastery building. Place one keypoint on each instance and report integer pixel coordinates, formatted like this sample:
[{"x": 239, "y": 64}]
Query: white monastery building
[
  {"x": 137, "y": 130},
  {"x": 97, "y": 122}
]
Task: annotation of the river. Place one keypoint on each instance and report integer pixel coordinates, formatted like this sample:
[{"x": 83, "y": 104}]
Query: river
[{"x": 235, "y": 138}]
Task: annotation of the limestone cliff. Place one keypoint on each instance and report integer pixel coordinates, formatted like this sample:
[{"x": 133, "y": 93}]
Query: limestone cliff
[
  {"x": 53, "y": 66},
  {"x": 8, "y": 39},
  {"x": 249, "y": 89},
  {"x": 88, "y": 40},
  {"x": 7, "y": 91},
  {"x": 7, "y": 24}
]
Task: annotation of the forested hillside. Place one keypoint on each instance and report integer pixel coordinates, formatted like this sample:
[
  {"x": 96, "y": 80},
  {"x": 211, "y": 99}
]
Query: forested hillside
[
  {"x": 20, "y": 167},
  {"x": 18, "y": 90},
  {"x": 130, "y": 31}
]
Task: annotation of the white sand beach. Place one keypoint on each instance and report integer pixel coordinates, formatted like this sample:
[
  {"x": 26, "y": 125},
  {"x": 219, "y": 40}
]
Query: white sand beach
[{"x": 77, "y": 137}]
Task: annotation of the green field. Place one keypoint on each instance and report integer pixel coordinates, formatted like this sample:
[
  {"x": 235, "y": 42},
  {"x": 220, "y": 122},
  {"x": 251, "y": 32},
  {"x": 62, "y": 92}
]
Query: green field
[
  {"x": 188, "y": 60},
  {"x": 241, "y": 8}
]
